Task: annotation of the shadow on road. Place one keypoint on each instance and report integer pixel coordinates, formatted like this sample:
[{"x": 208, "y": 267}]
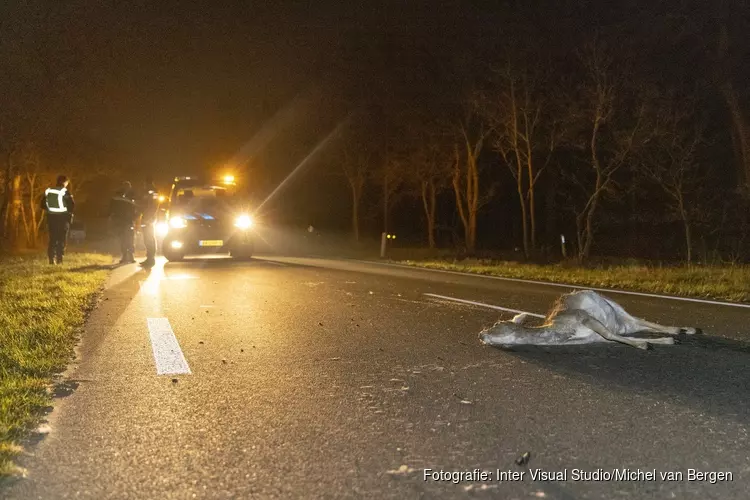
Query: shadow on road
[{"x": 708, "y": 373}]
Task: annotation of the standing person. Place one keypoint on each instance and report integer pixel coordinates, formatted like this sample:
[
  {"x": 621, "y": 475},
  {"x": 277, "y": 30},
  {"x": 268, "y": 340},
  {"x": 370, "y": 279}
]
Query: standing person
[
  {"x": 122, "y": 213},
  {"x": 149, "y": 206},
  {"x": 58, "y": 203}
]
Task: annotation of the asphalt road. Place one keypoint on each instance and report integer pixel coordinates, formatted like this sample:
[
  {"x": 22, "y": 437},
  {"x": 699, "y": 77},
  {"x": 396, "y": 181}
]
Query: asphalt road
[{"x": 314, "y": 378}]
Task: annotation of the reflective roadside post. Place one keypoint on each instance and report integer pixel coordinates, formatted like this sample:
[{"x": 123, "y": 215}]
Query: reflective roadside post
[
  {"x": 562, "y": 245},
  {"x": 384, "y": 238}
]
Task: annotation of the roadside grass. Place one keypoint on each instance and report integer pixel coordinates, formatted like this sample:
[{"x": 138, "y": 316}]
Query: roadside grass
[
  {"x": 42, "y": 309},
  {"x": 730, "y": 283}
]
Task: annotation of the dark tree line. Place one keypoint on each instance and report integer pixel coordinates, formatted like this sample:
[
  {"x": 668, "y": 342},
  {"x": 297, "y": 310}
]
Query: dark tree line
[{"x": 629, "y": 137}]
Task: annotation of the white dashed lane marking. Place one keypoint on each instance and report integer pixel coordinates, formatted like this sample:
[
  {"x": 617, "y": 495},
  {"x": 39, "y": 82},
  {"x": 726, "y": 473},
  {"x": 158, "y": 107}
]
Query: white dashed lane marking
[
  {"x": 482, "y": 304},
  {"x": 167, "y": 353}
]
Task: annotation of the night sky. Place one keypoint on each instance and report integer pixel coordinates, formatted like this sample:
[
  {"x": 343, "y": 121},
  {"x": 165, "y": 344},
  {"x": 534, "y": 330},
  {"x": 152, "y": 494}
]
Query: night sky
[{"x": 174, "y": 87}]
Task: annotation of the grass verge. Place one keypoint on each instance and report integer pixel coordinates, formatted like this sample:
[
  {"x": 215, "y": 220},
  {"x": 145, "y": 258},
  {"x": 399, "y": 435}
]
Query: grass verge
[
  {"x": 42, "y": 309},
  {"x": 717, "y": 283}
]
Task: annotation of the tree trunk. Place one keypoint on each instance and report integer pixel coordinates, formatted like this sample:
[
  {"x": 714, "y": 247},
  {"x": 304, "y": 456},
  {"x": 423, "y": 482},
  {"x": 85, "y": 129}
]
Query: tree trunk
[
  {"x": 433, "y": 211},
  {"x": 13, "y": 217},
  {"x": 471, "y": 233},
  {"x": 461, "y": 200},
  {"x": 586, "y": 233},
  {"x": 524, "y": 216},
  {"x": 687, "y": 229},
  {"x": 385, "y": 201},
  {"x": 428, "y": 202},
  {"x": 741, "y": 133},
  {"x": 34, "y": 224},
  {"x": 532, "y": 213},
  {"x": 356, "y": 194}
]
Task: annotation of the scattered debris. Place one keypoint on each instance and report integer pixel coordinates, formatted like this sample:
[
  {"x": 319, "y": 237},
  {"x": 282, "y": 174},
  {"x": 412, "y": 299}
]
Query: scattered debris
[
  {"x": 466, "y": 402},
  {"x": 539, "y": 494},
  {"x": 523, "y": 459},
  {"x": 334, "y": 359},
  {"x": 242, "y": 350},
  {"x": 371, "y": 293},
  {"x": 320, "y": 323},
  {"x": 224, "y": 361},
  {"x": 482, "y": 487},
  {"x": 401, "y": 471},
  {"x": 200, "y": 342},
  {"x": 174, "y": 380}
]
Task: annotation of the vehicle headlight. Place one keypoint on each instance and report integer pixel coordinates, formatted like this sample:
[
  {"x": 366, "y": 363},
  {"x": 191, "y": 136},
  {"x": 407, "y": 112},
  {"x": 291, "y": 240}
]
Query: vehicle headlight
[
  {"x": 162, "y": 228},
  {"x": 243, "y": 222},
  {"x": 177, "y": 222}
]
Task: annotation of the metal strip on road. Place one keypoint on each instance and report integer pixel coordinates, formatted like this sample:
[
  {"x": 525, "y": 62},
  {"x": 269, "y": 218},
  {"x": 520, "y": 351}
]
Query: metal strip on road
[
  {"x": 561, "y": 285},
  {"x": 167, "y": 353},
  {"x": 482, "y": 304}
]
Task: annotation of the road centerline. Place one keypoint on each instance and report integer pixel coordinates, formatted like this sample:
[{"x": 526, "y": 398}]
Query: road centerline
[
  {"x": 167, "y": 353},
  {"x": 482, "y": 304}
]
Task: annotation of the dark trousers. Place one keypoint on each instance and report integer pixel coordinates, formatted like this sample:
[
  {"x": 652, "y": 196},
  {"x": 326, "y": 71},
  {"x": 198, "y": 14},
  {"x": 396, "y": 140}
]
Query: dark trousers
[
  {"x": 149, "y": 240},
  {"x": 58, "y": 225},
  {"x": 126, "y": 235}
]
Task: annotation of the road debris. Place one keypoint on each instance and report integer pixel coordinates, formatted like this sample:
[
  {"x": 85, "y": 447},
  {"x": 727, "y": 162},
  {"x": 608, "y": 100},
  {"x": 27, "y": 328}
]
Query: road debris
[
  {"x": 174, "y": 380},
  {"x": 482, "y": 487},
  {"x": 401, "y": 471},
  {"x": 523, "y": 459}
]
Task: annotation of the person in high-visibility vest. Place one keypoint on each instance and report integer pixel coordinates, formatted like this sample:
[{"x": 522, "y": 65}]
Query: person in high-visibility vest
[
  {"x": 122, "y": 213},
  {"x": 58, "y": 203}
]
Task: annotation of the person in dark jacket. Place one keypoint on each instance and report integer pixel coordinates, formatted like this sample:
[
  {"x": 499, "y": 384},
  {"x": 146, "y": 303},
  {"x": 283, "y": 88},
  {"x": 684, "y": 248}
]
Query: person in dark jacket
[
  {"x": 148, "y": 207},
  {"x": 122, "y": 214},
  {"x": 58, "y": 203}
]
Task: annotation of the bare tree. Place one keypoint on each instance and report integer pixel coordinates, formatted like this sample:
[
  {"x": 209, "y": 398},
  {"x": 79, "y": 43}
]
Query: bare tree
[
  {"x": 12, "y": 202},
  {"x": 391, "y": 177},
  {"x": 470, "y": 137},
  {"x": 670, "y": 160},
  {"x": 610, "y": 126},
  {"x": 739, "y": 123},
  {"x": 523, "y": 135},
  {"x": 429, "y": 171},
  {"x": 355, "y": 165}
]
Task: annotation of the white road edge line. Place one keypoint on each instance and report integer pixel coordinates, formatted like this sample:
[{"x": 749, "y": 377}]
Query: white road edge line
[
  {"x": 167, "y": 353},
  {"x": 561, "y": 285},
  {"x": 482, "y": 304}
]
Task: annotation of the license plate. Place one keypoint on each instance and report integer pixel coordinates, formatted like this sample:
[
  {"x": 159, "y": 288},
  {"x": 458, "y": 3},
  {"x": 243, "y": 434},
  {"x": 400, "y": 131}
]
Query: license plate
[{"x": 211, "y": 243}]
